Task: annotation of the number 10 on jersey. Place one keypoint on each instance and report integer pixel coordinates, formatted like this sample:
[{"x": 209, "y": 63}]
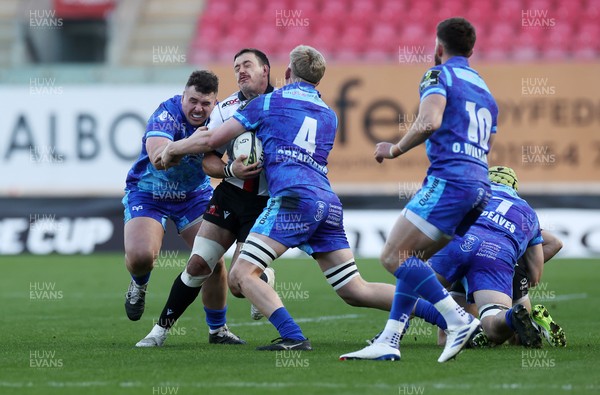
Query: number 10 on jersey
[{"x": 480, "y": 125}]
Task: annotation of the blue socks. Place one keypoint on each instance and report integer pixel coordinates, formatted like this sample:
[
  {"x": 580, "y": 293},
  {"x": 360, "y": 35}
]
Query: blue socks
[
  {"x": 421, "y": 277},
  {"x": 508, "y": 319},
  {"x": 215, "y": 318},
  {"x": 141, "y": 280},
  {"x": 404, "y": 301},
  {"x": 428, "y": 312},
  {"x": 285, "y": 325}
]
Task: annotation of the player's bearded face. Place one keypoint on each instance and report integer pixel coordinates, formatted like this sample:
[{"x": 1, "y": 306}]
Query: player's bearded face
[{"x": 197, "y": 106}]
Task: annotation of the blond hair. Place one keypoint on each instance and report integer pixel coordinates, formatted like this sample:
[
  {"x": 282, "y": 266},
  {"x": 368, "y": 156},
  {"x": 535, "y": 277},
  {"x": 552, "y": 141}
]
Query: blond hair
[{"x": 307, "y": 63}]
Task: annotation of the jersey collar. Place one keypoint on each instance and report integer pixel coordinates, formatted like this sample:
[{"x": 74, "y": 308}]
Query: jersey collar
[{"x": 457, "y": 61}]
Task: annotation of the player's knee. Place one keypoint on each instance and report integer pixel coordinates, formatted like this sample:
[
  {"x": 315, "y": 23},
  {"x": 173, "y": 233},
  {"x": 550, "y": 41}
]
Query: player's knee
[
  {"x": 389, "y": 260},
  {"x": 493, "y": 333},
  {"x": 234, "y": 281},
  {"x": 488, "y": 316},
  {"x": 206, "y": 254},
  {"x": 138, "y": 259},
  {"x": 255, "y": 256},
  {"x": 197, "y": 266}
]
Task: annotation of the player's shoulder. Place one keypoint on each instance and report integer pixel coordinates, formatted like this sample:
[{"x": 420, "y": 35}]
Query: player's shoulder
[
  {"x": 231, "y": 101},
  {"x": 509, "y": 194},
  {"x": 169, "y": 110},
  {"x": 433, "y": 76}
]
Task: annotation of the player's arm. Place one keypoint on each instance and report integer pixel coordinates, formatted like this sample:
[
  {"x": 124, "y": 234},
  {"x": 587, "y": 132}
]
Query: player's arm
[
  {"x": 213, "y": 165},
  {"x": 429, "y": 119},
  {"x": 534, "y": 262},
  {"x": 551, "y": 245},
  {"x": 202, "y": 141},
  {"x": 154, "y": 148}
]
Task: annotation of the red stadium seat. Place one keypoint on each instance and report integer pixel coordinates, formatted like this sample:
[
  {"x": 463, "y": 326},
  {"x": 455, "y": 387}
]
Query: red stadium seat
[
  {"x": 324, "y": 38},
  {"x": 450, "y": 8},
  {"x": 374, "y": 30},
  {"x": 394, "y": 13},
  {"x": 384, "y": 39},
  {"x": 354, "y": 38},
  {"x": 508, "y": 11},
  {"x": 335, "y": 9},
  {"x": 218, "y": 9}
]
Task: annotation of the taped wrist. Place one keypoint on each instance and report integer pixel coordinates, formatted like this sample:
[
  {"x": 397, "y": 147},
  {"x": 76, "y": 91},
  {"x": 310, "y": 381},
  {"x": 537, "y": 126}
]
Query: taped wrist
[{"x": 228, "y": 170}]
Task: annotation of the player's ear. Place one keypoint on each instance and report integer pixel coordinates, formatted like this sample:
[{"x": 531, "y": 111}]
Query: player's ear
[
  {"x": 439, "y": 49},
  {"x": 288, "y": 73}
]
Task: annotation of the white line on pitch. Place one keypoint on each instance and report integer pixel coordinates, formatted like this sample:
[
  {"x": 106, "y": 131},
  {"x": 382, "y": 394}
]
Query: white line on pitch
[
  {"x": 560, "y": 298},
  {"x": 300, "y": 320}
]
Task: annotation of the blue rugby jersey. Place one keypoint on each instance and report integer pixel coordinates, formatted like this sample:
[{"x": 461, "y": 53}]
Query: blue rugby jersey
[
  {"x": 297, "y": 130},
  {"x": 458, "y": 149},
  {"x": 508, "y": 226},
  {"x": 168, "y": 121}
]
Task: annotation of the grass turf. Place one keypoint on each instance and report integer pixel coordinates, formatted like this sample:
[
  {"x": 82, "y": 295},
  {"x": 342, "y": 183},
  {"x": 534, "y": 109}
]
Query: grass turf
[{"x": 64, "y": 331}]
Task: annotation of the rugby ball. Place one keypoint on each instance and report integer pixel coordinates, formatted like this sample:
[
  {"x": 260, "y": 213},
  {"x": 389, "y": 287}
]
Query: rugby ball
[{"x": 248, "y": 144}]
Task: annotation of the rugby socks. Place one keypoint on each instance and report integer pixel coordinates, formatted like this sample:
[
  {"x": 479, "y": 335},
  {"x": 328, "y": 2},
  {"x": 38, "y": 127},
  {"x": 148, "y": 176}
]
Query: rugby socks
[
  {"x": 420, "y": 276},
  {"x": 508, "y": 319},
  {"x": 285, "y": 325},
  {"x": 141, "y": 280},
  {"x": 426, "y": 311},
  {"x": 180, "y": 297},
  {"x": 402, "y": 306},
  {"x": 215, "y": 319}
]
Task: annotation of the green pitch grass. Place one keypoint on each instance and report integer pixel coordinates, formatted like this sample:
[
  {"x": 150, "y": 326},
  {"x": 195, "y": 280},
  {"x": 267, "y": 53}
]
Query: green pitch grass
[{"x": 64, "y": 331}]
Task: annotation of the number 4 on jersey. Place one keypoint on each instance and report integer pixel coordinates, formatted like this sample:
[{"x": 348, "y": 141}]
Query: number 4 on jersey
[{"x": 307, "y": 135}]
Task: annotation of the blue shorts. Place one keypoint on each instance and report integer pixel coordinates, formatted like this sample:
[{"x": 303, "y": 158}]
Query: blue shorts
[
  {"x": 475, "y": 260},
  {"x": 184, "y": 211},
  {"x": 447, "y": 207},
  {"x": 309, "y": 221}
]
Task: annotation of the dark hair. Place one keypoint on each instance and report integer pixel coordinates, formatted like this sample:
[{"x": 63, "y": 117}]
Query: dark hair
[
  {"x": 457, "y": 35},
  {"x": 259, "y": 54},
  {"x": 204, "y": 81}
]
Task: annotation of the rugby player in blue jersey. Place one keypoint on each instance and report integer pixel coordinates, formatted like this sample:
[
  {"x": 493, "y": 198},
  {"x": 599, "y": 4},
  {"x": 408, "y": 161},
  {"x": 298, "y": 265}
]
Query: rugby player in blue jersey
[
  {"x": 236, "y": 203},
  {"x": 297, "y": 130},
  {"x": 457, "y": 122},
  {"x": 506, "y": 233},
  {"x": 484, "y": 260},
  {"x": 154, "y": 194},
  {"x": 507, "y": 230}
]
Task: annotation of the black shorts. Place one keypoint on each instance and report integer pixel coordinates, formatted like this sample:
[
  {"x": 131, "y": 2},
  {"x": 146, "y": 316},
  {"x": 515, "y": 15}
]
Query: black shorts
[
  {"x": 234, "y": 209},
  {"x": 520, "y": 281},
  {"x": 458, "y": 288}
]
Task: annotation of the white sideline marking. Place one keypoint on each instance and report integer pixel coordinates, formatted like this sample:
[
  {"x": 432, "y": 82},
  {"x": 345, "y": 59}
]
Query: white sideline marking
[
  {"x": 561, "y": 298},
  {"x": 250, "y": 384},
  {"x": 299, "y": 320}
]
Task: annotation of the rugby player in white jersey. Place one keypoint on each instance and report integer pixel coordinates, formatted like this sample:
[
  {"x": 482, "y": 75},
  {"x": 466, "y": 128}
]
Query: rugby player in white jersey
[{"x": 233, "y": 209}]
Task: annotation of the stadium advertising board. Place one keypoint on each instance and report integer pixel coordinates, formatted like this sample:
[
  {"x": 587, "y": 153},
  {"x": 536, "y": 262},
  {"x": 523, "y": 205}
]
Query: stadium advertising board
[
  {"x": 81, "y": 140},
  {"x": 96, "y": 225}
]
